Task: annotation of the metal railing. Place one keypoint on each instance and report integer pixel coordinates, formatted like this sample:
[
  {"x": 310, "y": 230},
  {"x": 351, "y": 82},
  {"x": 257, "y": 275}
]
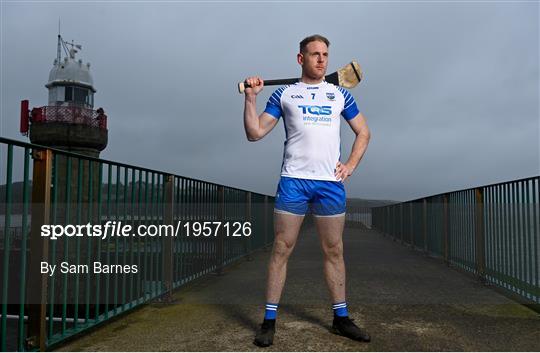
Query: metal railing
[
  {"x": 61, "y": 188},
  {"x": 491, "y": 231},
  {"x": 358, "y": 216}
]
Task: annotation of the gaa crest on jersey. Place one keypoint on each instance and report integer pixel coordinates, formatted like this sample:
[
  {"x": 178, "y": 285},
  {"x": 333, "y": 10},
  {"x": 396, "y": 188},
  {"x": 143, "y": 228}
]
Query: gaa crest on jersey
[{"x": 330, "y": 95}]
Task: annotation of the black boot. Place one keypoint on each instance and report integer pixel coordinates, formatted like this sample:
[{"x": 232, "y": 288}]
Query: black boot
[
  {"x": 344, "y": 326},
  {"x": 265, "y": 335}
]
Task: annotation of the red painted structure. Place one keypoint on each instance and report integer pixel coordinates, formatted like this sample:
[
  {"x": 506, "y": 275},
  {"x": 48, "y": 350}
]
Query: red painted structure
[{"x": 62, "y": 114}]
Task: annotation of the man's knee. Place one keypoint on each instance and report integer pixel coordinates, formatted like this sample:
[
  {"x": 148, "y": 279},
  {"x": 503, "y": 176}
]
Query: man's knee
[
  {"x": 282, "y": 249},
  {"x": 333, "y": 252}
]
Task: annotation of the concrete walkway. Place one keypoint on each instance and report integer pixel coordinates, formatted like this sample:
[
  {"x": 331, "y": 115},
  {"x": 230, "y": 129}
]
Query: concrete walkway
[{"x": 406, "y": 301}]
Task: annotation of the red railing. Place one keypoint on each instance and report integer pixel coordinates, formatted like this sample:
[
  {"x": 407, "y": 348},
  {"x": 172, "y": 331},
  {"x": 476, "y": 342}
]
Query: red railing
[{"x": 70, "y": 115}]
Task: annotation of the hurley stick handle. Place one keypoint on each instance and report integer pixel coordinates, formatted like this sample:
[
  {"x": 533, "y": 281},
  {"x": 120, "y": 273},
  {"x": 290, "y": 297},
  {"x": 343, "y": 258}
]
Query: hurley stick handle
[{"x": 285, "y": 81}]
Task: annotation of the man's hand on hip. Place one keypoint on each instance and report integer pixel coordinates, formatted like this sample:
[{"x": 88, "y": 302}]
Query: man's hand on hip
[{"x": 343, "y": 171}]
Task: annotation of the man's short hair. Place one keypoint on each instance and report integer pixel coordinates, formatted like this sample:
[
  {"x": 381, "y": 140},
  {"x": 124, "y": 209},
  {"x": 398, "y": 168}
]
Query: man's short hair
[{"x": 313, "y": 38}]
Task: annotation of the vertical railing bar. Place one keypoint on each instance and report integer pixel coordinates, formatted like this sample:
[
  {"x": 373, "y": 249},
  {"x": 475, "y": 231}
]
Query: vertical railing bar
[
  {"x": 54, "y": 208},
  {"x": 198, "y": 248},
  {"x": 529, "y": 235},
  {"x": 99, "y": 214},
  {"x": 196, "y": 243},
  {"x": 207, "y": 239},
  {"x": 22, "y": 293},
  {"x": 507, "y": 226},
  {"x": 191, "y": 218},
  {"x": 480, "y": 234},
  {"x": 77, "y": 240},
  {"x": 159, "y": 248},
  {"x": 139, "y": 240},
  {"x": 145, "y": 280},
  {"x": 152, "y": 218},
  {"x": 167, "y": 242},
  {"x": 202, "y": 219},
  {"x": 536, "y": 225},
  {"x": 488, "y": 234},
  {"x": 521, "y": 238},
  {"x": 468, "y": 237},
  {"x": 66, "y": 243},
  {"x": 411, "y": 223},
  {"x": 162, "y": 220},
  {"x": 470, "y": 233},
  {"x": 89, "y": 241},
  {"x": 176, "y": 240},
  {"x": 464, "y": 229},
  {"x": 116, "y": 240},
  {"x": 514, "y": 236},
  {"x": 466, "y": 245},
  {"x": 181, "y": 244},
  {"x": 7, "y": 225},
  {"x": 457, "y": 227},
  {"x": 124, "y": 240},
  {"x": 133, "y": 223},
  {"x": 185, "y": 240},
  {"x": 499, "y": 232},
  {"x": 107, "y": 281}
]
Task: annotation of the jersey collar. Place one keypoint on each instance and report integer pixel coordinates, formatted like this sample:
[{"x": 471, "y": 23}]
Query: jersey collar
[{"x": 302, "y": 84}]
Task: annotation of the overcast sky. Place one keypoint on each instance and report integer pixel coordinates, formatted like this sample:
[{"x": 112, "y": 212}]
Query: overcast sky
[{"x": 451, "y": 90}]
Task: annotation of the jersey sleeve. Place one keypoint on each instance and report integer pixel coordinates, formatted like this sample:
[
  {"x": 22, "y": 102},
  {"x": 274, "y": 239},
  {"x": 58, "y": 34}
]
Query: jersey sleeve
[
  {"x": 273, "y": 106},
  {"x": 350, "y": 110}
]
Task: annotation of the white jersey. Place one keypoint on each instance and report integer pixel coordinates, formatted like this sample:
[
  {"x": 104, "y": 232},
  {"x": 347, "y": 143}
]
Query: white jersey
[{"x": 311, "y": 115}]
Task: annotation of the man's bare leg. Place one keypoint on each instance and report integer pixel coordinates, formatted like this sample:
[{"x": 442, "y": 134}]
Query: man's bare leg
[
  {"x": 286, "y": 227},
  {"x": 330, "y": 231}
]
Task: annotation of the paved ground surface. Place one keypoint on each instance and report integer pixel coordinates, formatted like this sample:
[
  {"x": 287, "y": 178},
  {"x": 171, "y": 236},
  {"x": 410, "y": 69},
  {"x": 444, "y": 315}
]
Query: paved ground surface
[{"x": 406, "y": 301}]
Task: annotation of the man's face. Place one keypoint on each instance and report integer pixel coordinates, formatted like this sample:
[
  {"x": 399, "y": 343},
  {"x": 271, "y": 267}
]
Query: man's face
[{"x": 314, "y": 60}]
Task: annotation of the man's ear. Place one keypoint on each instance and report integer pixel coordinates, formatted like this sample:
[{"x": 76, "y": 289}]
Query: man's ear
[{"x": 300, "y": 58}]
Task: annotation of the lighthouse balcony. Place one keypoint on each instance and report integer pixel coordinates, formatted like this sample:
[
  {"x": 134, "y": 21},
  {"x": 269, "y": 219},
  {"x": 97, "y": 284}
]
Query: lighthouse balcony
[
  {"x": 69, "y": 127},
  {"x": 69, "y": 115}
]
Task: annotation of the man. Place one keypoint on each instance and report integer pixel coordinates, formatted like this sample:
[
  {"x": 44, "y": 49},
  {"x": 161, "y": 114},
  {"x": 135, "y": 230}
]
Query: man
[{"x": 312, "y": 175}]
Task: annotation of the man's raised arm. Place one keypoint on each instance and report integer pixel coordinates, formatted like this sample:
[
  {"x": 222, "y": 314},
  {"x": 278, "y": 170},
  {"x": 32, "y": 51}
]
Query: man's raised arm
[{"x": 256, "y": 126}]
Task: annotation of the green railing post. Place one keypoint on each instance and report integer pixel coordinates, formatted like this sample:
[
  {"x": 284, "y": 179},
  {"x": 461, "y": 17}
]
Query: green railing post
[
  {"x": 39, "y": 250},
  {"x": 479, "y": 233},
  {"x": 401, "y": 222},
  {"x": 387, "y": 221},
  {"x": 5, "y": 255},
  {"x": 411, "y": 226},
  {"x": 445, "y": 228},
  {"x": 167, "y": 241},
  {"x": 221, "y": 233},
  {"x": 425, "y": 228},
  {"x": 247, "y": 240}
]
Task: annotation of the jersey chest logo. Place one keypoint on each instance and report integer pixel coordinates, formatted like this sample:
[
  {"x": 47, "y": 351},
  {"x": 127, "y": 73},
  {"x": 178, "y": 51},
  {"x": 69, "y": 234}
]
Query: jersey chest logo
[{"x": 316, "y": 109}]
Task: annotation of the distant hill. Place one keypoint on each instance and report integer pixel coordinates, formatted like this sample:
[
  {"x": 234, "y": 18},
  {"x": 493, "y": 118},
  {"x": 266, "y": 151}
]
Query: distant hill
[{"x": 356, "y": 202}]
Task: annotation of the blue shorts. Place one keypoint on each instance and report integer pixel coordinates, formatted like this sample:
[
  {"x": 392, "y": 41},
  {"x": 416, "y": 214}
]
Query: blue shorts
[{"x": 296, "y": 196}]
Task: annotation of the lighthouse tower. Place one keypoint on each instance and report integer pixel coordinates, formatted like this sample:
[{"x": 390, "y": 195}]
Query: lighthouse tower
[{"x": 69, "y": 121}]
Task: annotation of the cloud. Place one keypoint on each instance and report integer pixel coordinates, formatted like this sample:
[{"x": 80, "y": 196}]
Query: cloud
[{"x": 450, "y": 90}]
